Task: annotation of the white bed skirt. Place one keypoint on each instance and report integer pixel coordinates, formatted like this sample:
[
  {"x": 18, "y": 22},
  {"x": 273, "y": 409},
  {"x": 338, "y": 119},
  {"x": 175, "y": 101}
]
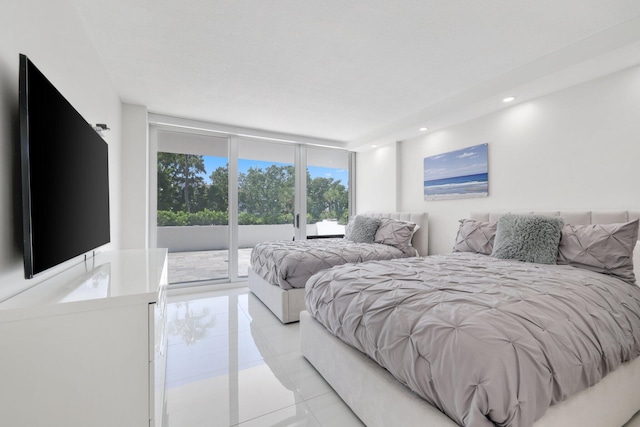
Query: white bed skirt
[
  {"x": 285, "y": 304},
  {"x": 378, "y": 399}
]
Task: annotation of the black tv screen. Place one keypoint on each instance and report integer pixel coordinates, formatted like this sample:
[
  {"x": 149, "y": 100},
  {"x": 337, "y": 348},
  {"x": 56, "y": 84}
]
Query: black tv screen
[{"x": 65, "y": 176}]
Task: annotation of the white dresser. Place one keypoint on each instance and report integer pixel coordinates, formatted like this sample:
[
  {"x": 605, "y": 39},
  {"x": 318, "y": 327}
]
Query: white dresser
[{"x": 87, "y": 346}]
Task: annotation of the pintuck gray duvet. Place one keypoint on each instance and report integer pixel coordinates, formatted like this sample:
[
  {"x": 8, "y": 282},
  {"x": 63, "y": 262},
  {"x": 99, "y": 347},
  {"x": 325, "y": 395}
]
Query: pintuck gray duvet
[
  {"x": 289, "y": 264},
  {"x": 487, "y": 341}
]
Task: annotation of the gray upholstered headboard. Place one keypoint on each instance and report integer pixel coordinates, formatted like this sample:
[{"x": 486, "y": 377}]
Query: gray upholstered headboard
[
  {"x": 420, "y": 239},
  {"x": 580, "y": 218},
  {"x": 570, "y": 217}
]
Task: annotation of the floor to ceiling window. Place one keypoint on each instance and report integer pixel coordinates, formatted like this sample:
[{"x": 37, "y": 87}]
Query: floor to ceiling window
[
  {"x": 215, "y": 195},
  {"x": 266, "y": 194},
  {"x": 327, "y": 191},
  {"x": 192, "y": 213}
]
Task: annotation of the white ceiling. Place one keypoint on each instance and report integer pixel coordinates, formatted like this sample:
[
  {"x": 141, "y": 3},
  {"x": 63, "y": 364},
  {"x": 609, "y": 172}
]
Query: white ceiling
[{"x": 354, "y": 71}]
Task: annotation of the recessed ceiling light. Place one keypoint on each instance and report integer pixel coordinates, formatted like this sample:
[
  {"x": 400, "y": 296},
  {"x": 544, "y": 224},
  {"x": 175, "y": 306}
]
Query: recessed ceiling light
[
  {"x": 509, "y": 99},
  {"x": 374, "y": 146},
  {"x": 424, "y": 129}
]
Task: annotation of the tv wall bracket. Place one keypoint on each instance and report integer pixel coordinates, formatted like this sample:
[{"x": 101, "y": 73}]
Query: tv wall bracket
[{"x": 100, "y": 128}]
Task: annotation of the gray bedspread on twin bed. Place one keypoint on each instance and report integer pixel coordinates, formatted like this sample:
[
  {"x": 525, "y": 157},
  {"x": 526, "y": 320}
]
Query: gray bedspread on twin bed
[
  {"x": 289, "y": 264},
  {"x": 487, "y": 341}
]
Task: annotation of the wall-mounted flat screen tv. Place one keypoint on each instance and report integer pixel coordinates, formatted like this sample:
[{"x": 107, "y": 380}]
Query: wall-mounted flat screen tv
[{"x": 65, "y": 176}]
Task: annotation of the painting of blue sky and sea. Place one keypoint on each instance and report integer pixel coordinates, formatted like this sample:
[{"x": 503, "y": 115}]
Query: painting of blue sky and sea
[{"x": 459, "y": 174}]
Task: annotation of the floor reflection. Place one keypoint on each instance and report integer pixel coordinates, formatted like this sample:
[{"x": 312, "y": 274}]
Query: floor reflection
[{"x": 231, "y": 362}]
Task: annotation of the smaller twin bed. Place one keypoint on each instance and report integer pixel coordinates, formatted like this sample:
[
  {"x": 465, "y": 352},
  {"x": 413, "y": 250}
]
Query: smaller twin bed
[
  {"x": 481, "y": 337},
  {"x": 279, "y": 270}
]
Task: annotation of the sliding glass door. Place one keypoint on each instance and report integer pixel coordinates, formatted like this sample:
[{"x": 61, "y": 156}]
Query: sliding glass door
[
  {"x": 192, "y": 205},
  {"x": 266, "y": 195},
  {"x": 327, "y": 184},
  {"x": 215, "y": 196}
]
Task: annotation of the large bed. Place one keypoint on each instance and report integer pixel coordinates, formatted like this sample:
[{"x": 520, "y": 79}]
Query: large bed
[
  {"x": 280, "y": 270},
  {"x": 469, "y": 339}
]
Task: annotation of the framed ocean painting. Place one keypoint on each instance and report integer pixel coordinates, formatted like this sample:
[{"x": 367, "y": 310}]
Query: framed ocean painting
[{"x": 459, "y": 174}]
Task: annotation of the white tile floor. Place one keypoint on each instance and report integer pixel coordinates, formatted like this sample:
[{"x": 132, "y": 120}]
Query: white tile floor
[{"x": 232, "y": 363}]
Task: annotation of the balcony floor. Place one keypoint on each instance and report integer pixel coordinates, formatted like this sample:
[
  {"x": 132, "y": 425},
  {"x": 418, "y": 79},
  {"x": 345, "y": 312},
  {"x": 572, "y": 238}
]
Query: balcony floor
[{"x": 205, "y": 265}]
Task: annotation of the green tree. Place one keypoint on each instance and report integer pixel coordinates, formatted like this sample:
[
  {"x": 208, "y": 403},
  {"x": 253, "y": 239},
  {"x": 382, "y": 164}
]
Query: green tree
[
  {"x": 168, "y": 191},
  {"x": 327, "y": 199},
  {"x": 337, "y": 200},
  {"x": 267, "y": 194},
  {"x": 179, "y": 182},
  {"x": 218, "y": 191},
  {"x": 316, "y": 188}
]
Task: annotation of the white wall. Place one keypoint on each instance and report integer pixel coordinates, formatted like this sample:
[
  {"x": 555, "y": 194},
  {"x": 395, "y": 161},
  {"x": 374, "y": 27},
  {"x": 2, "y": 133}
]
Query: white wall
[
  {"x": 51, "y": 34},
  {"x": 135, "y": 173},
  {"x": 577, "y": 149},
  {"x": 376, "y": 182}
]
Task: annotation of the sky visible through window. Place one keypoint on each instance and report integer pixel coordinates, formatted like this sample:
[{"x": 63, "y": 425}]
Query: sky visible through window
[{"x": 211, "y": 163}]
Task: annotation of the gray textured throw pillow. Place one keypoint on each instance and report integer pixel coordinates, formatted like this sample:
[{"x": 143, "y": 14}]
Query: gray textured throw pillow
[
  {"x": 362, "y": 229},
  {"x": 528, "y": 238},
  {"x": 475, "y": 236},
  {"x": 604, "y": 248},
  {"x": 396, "y": 233}
]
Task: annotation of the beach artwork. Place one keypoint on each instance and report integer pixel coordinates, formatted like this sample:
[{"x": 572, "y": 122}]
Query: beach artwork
[{"x": 459, "y": 174}]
